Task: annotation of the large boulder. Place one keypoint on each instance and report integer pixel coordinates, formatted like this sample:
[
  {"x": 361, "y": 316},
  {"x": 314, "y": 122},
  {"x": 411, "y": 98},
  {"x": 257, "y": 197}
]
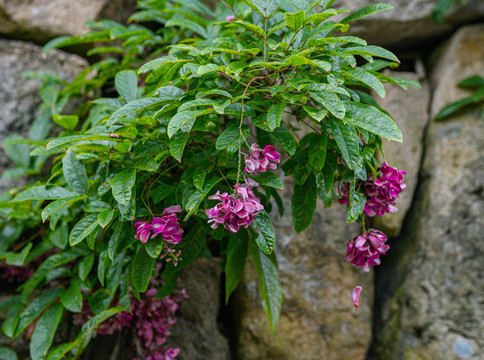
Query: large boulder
[
  {"x": 430, "y": 296},
  {"x": 196, "y": 331},
  {"x": 410, "y": 110},
  {"x": 317, "y": 319},
  {"x": 19, "y": 96},
  {"x": 410, "y": 22},
  {"x": 42, "y": 20}
]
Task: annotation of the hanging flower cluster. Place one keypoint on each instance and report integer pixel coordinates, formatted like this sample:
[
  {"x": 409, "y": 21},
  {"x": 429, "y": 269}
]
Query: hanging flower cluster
[
  {"x": 235, "y": 210},
  {"x": 261, "y": 160},
  {"x": 151, "y": 319},
  {"x": 381, "y": 193},
  {"x": 167, "y": 226},
  {"x": 365, "y": 250},
  {"x": 239, "y": 209}
]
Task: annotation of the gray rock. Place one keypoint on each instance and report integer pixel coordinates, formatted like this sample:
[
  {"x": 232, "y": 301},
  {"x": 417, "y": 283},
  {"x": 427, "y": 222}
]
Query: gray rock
[
  {"x": 317, "y": 319},
  {"x": 19, "y": 96},
  {"x": 409, "y": 23},
  {"x": 196, "y": 331},
  {"x": 410, "y": 110},
  {"x": 435, "y": 310},
  {"x": 42, "y": 20}
]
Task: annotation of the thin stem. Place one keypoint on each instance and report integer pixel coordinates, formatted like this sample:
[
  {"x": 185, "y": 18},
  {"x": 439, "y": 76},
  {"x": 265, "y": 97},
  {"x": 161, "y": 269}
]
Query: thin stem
[{"x": 363, "y": 223}]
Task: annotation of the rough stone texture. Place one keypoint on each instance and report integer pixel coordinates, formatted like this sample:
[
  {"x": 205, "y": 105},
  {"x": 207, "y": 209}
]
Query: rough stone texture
[
  {"x": 411, "y": 112},
  {"x": 435, "y": 310},
  {"x": 196, "y": 332},
  {"x": 409, "y": 23},
  {"x": 19, "y": 96},
  {"x": 317, "y": 319},
  {"x": 42, "y": 20}
]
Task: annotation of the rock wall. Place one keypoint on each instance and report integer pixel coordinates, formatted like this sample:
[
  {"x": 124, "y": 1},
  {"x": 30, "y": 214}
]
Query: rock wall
[{"x": 427, "y": 292}]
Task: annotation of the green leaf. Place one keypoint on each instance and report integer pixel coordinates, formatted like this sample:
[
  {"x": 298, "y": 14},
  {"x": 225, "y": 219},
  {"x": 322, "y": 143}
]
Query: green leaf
[
  {"x": 75, "y": 173},
  {"x": 303, "y": 203},
  {"x": 201, "y": 173},
  {"x": 7, "y": 354},
  {"x": 75, "y": 138},
  {"x": 45, "y": 268},
  {"x": 373, "y": 120},
  {"x": 368, "y": 79},
  {"x": 18, "y": 259},
  {"x": 356, "y": 205},
  {"x": 184, "y": 121},
  {"x": 44, "y": 332},
  {"x": 315, "y": 113},
  {"x": 17, "y": 151},
  {"x": 105, "y": 217},
  {"x": 269, "y": 284},
  {"x": 317, "y": 151},
  {"x": 267, "y": 238},
  {"x": 177, "y": 145},
  {"x": 68, "y": 122},
  {"x": 274, "y": 115},
  {"x": 135, "y": 105},
  {"x": 371, "y": 50},
  {"x": 85, "y": 266},
  {"x": 264, "y": 7},
  {"x": 122, "y": 184},
  {"x": 141, "y": 269},
  {"x": 71, "y": 298},
  {"x": 295, "y": 21},
  {"x": 60, "y": 204},
  {"x": 367, "y": 10},
  {"x": 251, "y": 27},
  {"x": 285, "y": 139},
  {"x": 236, "y": 256},
  {"x": 126, "y": 83},
  {"x": 197, "y": 197},
  {"x": 99, "y": 301},
  {"x": 11, "y": 322},
  {"x": 453, "y": 108},
  {"x": 161, "y": 192},
  {"x": 228, "y": 140},
  {"x": 83, "y": 229},
  {"x": 330, "y": 101},
  {"x": 43, "y": 193},
  {"x": 187, "y": 24},
  {"x": 270, "y": 179},
  {"x": 35, "y": 308},
  {"x": 154, "y": 247},
  {"x": 347, "y": 139},
  {"x": 102, "y": 266}
]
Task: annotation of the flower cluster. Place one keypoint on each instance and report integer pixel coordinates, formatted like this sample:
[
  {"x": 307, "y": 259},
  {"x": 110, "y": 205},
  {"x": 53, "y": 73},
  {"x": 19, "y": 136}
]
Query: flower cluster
[
  {"x": 260, "y": 160},
  {"x": 167, "y": 226},
  {"x": 381, "y": 193},
  {"x": 365, "y": 250},
  {"x": 235, "y": 210},
  {"x": 151, "y": 318}
]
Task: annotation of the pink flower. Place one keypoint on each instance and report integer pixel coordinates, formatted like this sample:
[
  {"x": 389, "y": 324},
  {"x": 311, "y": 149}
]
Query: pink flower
[
  {"x": 255, "y": 165},
  {"x": 230, "y": 18},
  {"x": 143, "y": 230},
  {"x": 167, "y": 226},
  {"x": 235, "y": 210},
  {"x": 381, "y": 194},
  {"x": 356, "y": 295},
  {"x": 365, "y": 250}
]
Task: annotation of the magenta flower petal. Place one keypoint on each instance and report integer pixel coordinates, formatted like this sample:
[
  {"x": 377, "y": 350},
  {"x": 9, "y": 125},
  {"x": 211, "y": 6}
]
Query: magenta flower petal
[
  {"x": 365, "y": 250},
  {"x": 356, "y": 295}
]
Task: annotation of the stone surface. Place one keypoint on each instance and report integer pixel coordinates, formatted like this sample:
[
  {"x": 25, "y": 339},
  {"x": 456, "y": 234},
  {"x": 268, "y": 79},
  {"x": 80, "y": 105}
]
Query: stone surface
[
  {"x": 434, "y": 308},
  {"x": 317, "y": 319},
  {"x": 19, "y": 96},
  {"x": 42, "y": 20},
  {"x": 196, "y": 331},
  {"x": 410, "y": 110},
  {"x": 409, "y": 23}
]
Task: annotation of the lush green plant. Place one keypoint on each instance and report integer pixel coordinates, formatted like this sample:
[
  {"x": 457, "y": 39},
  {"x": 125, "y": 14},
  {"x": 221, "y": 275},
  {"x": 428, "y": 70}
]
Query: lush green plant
[
  {"x": 476, "y": 85},
  {"x": 175, "y": 134}
]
